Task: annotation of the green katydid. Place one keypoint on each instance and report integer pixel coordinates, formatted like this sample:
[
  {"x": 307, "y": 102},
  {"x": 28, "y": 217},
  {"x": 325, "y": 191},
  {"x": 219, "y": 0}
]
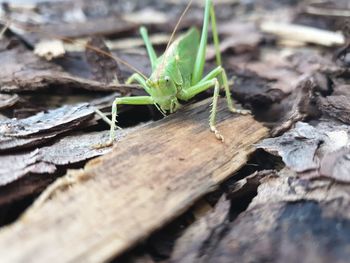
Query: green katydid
[{"x": 177, "y": 74}]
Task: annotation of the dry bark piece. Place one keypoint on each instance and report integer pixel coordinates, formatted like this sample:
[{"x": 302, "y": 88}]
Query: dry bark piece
[
  {"x": 26, "y": 72},
  {"x": 337, "y": 106},
  {"x": 16, "y": 143},
  {"x": 47, "y": 121},
  {"x": 76, "y": 148},
  {"x": 296, "y": 147},
  {"x": 265, "y": 85},
  {"x": 27, "y": 186},
  {"x": 249, "y": 184},
  {"x": 337, "y": 165},
  {"x": 68, "y": 150},
  {"x": 290, "y": 220},
  {"x": 16, "y": 166},
  {"x": 302, "y": 104},
  {"x": 42, "y": 127},
  {"x": 310, "y": 62},
  {"x": 106, "y": 26},
  {"x": 280, "y": 72},
  {"x": 319, "y": 151},
  {"x": 200, "y": 238},
  {"x": 251, "y": 88},
  {"x": 150, "y": 171},
  {"x": 8, "y": 100},
  {"x": 39, "y": 128}
]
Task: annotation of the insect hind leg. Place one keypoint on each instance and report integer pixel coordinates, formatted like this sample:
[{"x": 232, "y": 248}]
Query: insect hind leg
[
  {"x": 229, "y": 100},
  {"x": 220, "y": 71}
]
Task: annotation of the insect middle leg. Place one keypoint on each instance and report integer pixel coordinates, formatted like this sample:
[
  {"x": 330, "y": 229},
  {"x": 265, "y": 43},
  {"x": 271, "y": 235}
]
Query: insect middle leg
[
  {"x": 137, "y": 100},
  {"x": 189, "y": 93}
]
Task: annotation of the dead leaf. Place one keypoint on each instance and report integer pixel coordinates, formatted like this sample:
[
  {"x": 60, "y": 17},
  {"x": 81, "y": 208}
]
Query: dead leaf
[{"x": 104, "y": 68}]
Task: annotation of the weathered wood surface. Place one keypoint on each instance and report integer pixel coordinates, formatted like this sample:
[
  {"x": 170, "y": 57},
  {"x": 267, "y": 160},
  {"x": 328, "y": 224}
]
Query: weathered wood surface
[
  {"x": 291, "y": 219},
  {"x": 150, "y": 177}
]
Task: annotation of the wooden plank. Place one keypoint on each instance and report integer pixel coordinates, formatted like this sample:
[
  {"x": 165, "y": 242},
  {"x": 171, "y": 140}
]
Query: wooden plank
[{"x": 150, "y": 177}]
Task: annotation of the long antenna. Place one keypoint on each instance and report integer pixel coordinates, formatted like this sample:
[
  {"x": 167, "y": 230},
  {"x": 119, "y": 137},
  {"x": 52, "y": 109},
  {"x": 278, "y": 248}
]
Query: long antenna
[
  {"x": 174, "y": 31},
  {"x": 178, "y": 24},
  {"x": 8, "y": 22}
]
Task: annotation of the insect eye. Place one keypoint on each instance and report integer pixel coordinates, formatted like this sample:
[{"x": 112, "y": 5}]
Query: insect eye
[{"x": 167, "y": 79}]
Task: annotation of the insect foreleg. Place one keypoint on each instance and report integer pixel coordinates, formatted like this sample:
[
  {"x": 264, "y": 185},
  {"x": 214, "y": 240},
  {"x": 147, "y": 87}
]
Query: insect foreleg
[
  {"x": 189, "y": 93},
  {"x": 138, "y": 100},
  {"x": 150, "y": 50}
]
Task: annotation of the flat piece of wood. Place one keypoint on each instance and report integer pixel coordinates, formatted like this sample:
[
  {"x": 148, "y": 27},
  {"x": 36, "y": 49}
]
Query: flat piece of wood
[{"x": 150, "y": 177}]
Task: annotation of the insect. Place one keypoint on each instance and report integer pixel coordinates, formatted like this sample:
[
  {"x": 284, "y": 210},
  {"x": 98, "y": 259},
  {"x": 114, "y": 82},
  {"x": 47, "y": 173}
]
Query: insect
[{"x": 177, "y": 75}]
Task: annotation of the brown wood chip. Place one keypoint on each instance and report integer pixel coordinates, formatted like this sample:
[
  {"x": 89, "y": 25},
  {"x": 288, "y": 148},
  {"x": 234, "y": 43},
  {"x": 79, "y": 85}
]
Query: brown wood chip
[{"x": 120, "y": 198}]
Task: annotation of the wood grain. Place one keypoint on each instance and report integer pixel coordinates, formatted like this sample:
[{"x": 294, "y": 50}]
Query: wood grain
[{"x": 149, "y": 178}]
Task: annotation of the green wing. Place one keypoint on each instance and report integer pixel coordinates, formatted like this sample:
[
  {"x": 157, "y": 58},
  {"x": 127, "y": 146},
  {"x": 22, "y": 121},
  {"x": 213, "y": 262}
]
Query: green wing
[
  {"x": 187, "y": 51},
  {"x": 178, "y": 61}
]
